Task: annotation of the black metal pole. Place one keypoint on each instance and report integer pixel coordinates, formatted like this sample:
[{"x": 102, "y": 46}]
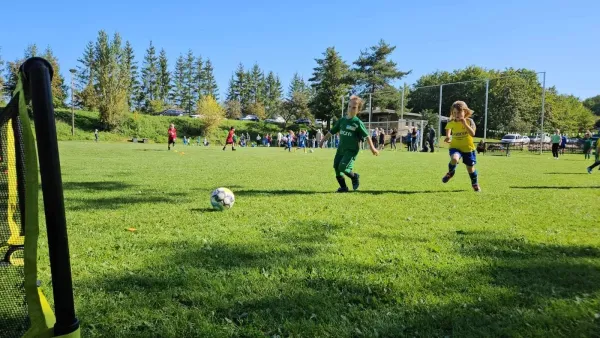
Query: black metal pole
[{"x": 38, "y": 75}]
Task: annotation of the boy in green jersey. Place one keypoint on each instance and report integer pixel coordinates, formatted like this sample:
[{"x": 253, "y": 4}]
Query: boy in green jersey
[{"x": 352, "y": 131}]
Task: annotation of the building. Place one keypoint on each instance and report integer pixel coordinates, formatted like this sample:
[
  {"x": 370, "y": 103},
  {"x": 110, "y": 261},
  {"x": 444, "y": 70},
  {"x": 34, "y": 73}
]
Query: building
[{"x": 388, "y": 119}]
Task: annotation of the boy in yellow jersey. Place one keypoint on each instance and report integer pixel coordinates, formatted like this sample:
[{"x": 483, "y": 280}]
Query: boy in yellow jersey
[
  {"x": 462, "y": 128},
  {"x": 597, "y": 163},
  {"x": 352, "y": 130}
]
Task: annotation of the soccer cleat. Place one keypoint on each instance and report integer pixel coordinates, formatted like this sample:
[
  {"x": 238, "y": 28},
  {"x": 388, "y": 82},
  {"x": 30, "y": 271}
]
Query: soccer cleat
[
  {"x": 355, "y": 181},
  {"x": 344, "y": 189},
  {"x": 589, "y": 170},
  {"x": 476, "y": 188},
  {"x": 448, "y": 176}
]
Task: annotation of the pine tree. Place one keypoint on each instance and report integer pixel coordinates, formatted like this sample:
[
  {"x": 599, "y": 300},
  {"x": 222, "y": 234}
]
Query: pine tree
[
  {"x": 59, "y": 88},
  {"x": 12, "y": 69},
  {"x": 199, "y": 90},
  {"x": 374, "y": 74},
  {"x": 241, "y": 86},
  {"x": 150, "y": 76},
  {"x": 232, "y": 94},
  {"x": 298, "y": 85},
  {"x": 189, "y": 95},
  {"x": 210, "y": 84},
  {"x": 179, "y": 82},
  {"x": 273, "y": 95},
  {"x": 85, "y": 94},
  {"x": 134, "y": 83},
  {"x": 330, "y": 82},
  {"x": 164, "y": 77},
  {"x": 256, "y": 84}
]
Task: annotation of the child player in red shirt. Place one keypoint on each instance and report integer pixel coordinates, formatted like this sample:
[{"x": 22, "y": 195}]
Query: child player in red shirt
[
  {"x": 229, "y": 140},
  {"x": 172, "y": 135}
]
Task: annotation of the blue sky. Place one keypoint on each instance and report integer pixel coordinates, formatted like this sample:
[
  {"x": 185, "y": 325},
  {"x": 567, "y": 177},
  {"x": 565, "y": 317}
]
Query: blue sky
[{"x": 559, "y": 37}]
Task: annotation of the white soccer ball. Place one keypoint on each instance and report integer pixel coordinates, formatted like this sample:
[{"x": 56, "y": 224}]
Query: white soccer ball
[
  {"x": 312, "y": 151},
  {"x": 222, "y": 198}
]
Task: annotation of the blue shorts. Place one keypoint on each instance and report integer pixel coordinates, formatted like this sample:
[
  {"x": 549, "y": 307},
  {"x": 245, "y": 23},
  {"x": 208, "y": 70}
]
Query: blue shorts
[
  {"x": 469, "y": 159},
  {"x": 302, "y": 144}
]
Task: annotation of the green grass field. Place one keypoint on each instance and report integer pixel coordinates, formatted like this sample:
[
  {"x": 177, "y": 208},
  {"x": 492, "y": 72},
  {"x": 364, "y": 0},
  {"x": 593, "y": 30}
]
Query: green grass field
[{"x": 403, "y": 256}]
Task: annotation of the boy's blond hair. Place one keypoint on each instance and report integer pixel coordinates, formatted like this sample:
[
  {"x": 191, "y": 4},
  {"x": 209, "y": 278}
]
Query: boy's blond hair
[
  {"x": 460, "y": 106},
  {"x": 360, "y": 103}
]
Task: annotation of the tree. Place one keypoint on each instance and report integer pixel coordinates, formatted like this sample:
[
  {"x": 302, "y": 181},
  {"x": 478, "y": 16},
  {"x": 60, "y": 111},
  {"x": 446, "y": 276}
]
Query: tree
[
  {"x": 179, "y": 82},
  {"x": 296, "y": 107},
  {"x": 85, "y": 94},
  {"x": 256, "y": 84},
  {"x": 210, "y": 84},
  {"x": 189, "y": 92},
  {"x": 59, "y": 89},
  {"x": 134, "y": 83},
  {"x": 241, "y": 87},
  {"x": 212, "y": 113},
  {"x": 257, "y": 109},
  {"x": 274, "y": 93},
  {"x": 297, "y": 85},
  {"x": 164, "y": 77},
  {"x": 330, "y": 82},
  {"x": 233, "y": 109},
  {"x": 1, "y": 79},
  {"x": 111, "y": 80},
  {"x": 12, "y": 69},
  {"x": 199, "y": 82},
  {"x": 373, "y": 73},
  {"x": 150, "y": 76},
  {"x": 593, "y": 104},
  {"x": 232, "y": 94}
]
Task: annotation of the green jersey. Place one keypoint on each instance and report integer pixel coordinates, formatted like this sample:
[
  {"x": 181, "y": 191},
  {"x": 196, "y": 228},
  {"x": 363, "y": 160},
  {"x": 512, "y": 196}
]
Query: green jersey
[
  {"x": 352, "y": 131},
  {"x": 587, "y": 144},
  {"x": 555, "y": 138}
]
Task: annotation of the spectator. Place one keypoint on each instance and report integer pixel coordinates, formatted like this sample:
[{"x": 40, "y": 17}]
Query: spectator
[
  {"x": 381, "y": 139},
  {"x": 96, "y": 135},
  {"x": 374, "y": 137},
  {"x": 393, "y": 136},
  {"x": 431, "y": 138},
  {"x": 279, "y": 139},
  {"x": 413, "y": 139}
]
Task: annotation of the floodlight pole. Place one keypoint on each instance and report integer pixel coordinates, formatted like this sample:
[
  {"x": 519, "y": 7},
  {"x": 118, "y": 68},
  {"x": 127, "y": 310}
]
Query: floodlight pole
[
  {"x": 440, "y": 116},
  {"x": 370, "y": 111},
  {"x": 543, "y": 103},
  {"x": 487, "y": 91},
  {"x": 402, "y": 103},
  {"x": 342, "y": 107}
]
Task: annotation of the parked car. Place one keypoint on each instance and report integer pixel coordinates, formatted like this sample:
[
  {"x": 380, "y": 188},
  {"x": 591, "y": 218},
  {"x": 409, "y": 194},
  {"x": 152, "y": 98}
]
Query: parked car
[
  {"x": 514, "y": 138},
  {"x": 250, "y": 118},
  {"x": 538, "y": 138},
  {"x": 303, "y": 121},
  {"x": 276, "y": 120},
  {"x": 320, "y": 123},
  {"x": 172, "y": 112}
]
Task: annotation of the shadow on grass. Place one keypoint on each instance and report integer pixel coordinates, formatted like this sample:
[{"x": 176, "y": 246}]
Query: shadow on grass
[
  {"x": 584, "y": 173},
  {"x": 107, "y": 203},
  {"x": 99, "y": 185},
  {"x": 289, "y": 284},
  {"x": 250, "y": 192},
  {"x": 556, "y": 187}
]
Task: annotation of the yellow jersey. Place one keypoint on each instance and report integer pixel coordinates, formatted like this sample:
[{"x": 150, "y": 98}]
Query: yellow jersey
[{"x": 461, "y": 139}]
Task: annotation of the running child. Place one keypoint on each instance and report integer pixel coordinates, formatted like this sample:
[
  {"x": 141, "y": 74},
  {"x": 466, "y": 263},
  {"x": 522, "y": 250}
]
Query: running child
[
  {"x": 172, "y": 135},
  {"x": 462, "y": 129},
  {"x": 290, "y": 139},
  {"x": 597, "y": 163},
  {"x": 229, "y": 139},
  {"x": 352, "y": 130},
  {"x": 302, "y": 140}
]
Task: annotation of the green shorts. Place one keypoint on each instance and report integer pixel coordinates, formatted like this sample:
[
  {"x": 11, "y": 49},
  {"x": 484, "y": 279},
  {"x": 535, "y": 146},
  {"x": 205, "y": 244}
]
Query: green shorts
[{"x": 344, "y": 162}]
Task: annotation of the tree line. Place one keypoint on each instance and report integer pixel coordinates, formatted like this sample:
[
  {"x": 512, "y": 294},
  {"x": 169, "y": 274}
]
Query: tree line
[{"x": 110, "y": 80}]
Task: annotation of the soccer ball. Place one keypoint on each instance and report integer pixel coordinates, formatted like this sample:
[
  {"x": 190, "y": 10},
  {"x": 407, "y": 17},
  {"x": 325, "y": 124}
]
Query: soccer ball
[
  {"x": 312, "y": 151},
  {"x": 222, "y": 198}
]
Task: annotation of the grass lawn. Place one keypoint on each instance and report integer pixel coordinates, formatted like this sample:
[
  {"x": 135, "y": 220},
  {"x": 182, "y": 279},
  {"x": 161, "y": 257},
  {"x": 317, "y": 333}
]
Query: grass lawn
[{"x": 404, "y": 256}]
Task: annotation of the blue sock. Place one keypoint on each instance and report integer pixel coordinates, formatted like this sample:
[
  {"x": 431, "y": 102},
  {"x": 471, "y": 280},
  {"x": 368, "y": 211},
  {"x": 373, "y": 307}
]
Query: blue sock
[
  {"x": 451, "y": 167},
  {"x": 473, "y": 176}
]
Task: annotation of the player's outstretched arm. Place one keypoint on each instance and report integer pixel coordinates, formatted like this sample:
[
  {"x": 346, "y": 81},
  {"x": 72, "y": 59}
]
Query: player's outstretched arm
[
  {"x": 326, "y": 137},
  {"x": 372, "y": 146}
]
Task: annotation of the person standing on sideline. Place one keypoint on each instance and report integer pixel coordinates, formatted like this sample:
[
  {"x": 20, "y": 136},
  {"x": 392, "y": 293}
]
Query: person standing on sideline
[
  {"x": 555, "y": 139},
  {"x": 413, "y": 139},
  {"x": 431, "y": 139},
  {"x": 393, "y": 137},
  {"x": 587, "y": 145},
  {"x": 563, "y": 143},
  {"x": 374, "y": 137},
  {"x": 172, "y": 135},
  {"x": 381, "y": 139},
  {"x": 279, "y": 137},
  {"x": 96, "y": 135}
]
